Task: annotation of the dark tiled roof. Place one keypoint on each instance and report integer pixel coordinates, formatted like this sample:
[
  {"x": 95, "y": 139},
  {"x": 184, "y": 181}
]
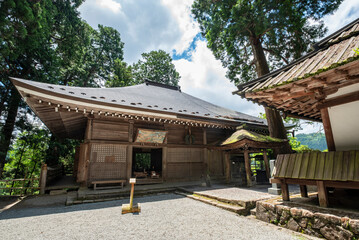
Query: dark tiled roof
[
  {"x": 150, "y": 96},
  {"x": 334, "y": 49}
]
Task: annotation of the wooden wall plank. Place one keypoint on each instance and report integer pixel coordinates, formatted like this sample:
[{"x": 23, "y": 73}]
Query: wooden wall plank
[
  {"x": 319, "y": 173},
  {"x": 291, "y": 162},
  {"x": 329, "y": 165},
  {"x": 215, "y": 162},
  {"x": 304, "y": 166},
  {"x": 345, "y": 166},
  {"x": 297, "y": 165},
  {"x": 278, "y": 165},
  {"x": 338, "y": 166},
  {"x": 356, "y": 171},
  {"x": 351, "y": 166},
  {"x": 284, "y": 165},
  {"x": 313, "y": 159}
]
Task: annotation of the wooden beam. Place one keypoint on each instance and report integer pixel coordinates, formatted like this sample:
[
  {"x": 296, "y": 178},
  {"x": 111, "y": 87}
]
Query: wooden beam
[
  {"x": 227, "y": 162},
  {"x": 322, "y": 194},
  {"x": 130, "y": 131},
  {"x": 303, "y": 191},
  {"x": 164, "y": 163},
  {"x": 247, "y": 165},
  {"x": 285, "y": 191},
  {"x": 88, "y": 133},
  {"x": 43, "y": 176},
  {"x": 129, "y": 162},
  {"x": 266, "y": 163},
  {"x": 205, "y": 153},
  {"x": 343, "y": 99},
  {"x": 327, "y": 129}
]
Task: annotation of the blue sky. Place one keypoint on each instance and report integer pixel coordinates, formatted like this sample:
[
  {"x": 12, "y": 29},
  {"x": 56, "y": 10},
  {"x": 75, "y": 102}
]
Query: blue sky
[{"x": 147, "y": 25}]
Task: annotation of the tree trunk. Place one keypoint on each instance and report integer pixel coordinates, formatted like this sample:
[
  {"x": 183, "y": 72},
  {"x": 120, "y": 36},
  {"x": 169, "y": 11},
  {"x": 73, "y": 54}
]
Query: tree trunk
[
  {"x": 6, "y": 132},
  {"x": 52, "y": 153},
  {"x": 274, "y": 120},
  {"x": 3, "y": 100}
]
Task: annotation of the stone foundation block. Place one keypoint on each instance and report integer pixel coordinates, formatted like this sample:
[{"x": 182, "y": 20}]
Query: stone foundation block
[{"x": 293, "y": 225}]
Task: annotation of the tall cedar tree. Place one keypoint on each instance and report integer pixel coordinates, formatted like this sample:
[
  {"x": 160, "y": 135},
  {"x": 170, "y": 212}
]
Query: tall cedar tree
[
  {"x": 156, "y": 66},
  {"x": 252, "y": 37},
  {"x": 47, "y": 41}
]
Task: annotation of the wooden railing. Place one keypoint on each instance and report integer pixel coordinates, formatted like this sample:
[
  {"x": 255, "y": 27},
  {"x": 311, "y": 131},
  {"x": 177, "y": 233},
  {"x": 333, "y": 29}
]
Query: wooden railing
[
  {"x": 8, "y": 186},
  {"x": 47, "y": 175}
]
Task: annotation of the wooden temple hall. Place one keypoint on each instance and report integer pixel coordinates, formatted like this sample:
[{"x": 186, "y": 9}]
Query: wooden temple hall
[
  {"x": 151, "y": 131},
  {"x": 321, "y": 86}
]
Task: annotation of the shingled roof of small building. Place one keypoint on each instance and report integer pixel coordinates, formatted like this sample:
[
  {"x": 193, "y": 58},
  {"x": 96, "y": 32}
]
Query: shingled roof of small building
[{"x": 309, "y": 73}]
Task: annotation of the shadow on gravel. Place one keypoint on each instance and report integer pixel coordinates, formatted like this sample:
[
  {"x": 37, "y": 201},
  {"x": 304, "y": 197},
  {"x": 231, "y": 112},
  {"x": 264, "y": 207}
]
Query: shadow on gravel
[{"x": 31, "y": 211}]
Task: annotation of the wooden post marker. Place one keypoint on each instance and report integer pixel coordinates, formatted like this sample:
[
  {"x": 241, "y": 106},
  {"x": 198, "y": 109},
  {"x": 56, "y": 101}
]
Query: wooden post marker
[{"x": 129, "y": 208}]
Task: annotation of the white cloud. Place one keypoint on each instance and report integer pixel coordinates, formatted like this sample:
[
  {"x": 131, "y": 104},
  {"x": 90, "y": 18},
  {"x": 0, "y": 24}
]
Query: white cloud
[
  {"x": 204, "y": 77},
  {"x": 147, "y": 25},
  {"x": 347, "y": 12},
  {"x": 189, "y": 28},
  {"x": 109, "y": 4},
  {"x": 144, "y": 25}
]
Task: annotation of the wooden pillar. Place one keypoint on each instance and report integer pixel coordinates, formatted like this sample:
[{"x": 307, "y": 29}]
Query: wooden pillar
[
  {"x": 266, "y": 163},
  {"x": 43, "y": 176},
  {"x": 84, "y": 159},
  {"x": 164, "y": 163},
  {"x": 247, "y": 165},
  {"x": 130, "y": 131},
  {"x": 88, "y": 132},
  {"x": 327, "y": 129},
  {"x": 227, "y": 162},
  {"x": 205, "y": 153},
  {"x": 129, "y": 161},
  {"x": 285, "y": 191},
  {"x": 303, "y": 191},
  {"x": 322, "y": 194}
]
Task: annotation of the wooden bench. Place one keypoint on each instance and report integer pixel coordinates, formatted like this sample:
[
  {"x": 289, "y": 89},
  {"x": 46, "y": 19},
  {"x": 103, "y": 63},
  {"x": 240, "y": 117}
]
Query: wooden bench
[{"x": 122, "y": 181}]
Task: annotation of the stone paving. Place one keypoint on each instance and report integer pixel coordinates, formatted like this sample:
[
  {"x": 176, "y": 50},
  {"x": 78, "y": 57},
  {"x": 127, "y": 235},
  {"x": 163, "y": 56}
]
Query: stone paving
[{"x": 230, "y": 193}]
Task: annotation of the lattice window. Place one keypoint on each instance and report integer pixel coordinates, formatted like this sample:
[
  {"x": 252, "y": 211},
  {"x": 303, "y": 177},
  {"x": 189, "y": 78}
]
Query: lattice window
[{"x": 108, "y": 153}]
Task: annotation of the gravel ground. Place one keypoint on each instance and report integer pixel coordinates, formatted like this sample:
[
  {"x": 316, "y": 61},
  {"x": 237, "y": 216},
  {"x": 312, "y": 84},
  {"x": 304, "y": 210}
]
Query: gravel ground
[{"x": 165, "y": 216}]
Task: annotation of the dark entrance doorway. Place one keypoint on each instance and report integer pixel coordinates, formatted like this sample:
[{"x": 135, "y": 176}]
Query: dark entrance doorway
[
  {"x": 238, "y": 170},
  {"x": 147, "y": 165}
]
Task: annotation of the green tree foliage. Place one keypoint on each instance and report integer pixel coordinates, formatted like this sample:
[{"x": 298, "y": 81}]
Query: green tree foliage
[
  {"x": 47, "y": 41},
  {"x": 251, "y": 37},
  {"x": 298, "y": 146},
  {"x": 104, "y": 48},
  {"x": 239, "y": 31},
  {"x": 121, "y": 76},
  {"x": 313, "y": 140},
  {"x": 156, "y": 66},
  {"x": 26, "y": 155}
]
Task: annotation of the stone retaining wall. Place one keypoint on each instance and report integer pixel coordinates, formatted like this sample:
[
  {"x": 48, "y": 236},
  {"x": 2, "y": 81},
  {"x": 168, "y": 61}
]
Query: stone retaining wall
[{"x": 309, "y": 222}]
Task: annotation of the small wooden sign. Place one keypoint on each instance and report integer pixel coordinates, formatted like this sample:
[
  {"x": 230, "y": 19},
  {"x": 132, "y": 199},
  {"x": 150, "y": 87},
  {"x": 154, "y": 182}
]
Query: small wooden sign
[{"x": 132, "y": 180}]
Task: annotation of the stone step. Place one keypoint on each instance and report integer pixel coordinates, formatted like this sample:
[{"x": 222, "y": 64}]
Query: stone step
[
  {"x": 106, "y": 195},
  {"x": 58, "y": 192},
  {"x": 245, "y": 204},
  {"x": 253, "y": 211},
  {"x": 226, "y": 206}
]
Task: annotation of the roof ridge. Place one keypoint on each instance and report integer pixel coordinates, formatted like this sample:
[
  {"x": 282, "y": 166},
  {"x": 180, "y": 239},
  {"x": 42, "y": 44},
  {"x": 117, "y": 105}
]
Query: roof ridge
[{"x": 157, "y": 84}]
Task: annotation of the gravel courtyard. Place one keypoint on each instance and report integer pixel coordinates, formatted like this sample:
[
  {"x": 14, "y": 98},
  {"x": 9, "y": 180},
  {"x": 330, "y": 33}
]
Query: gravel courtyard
[{"x": 166, "y": 216}]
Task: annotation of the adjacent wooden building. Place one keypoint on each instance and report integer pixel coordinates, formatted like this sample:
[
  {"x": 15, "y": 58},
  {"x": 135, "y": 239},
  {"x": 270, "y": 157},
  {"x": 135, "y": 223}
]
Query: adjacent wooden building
[
  {"x": 121, "y": 128},
  {"x": 321, "y": 86}
]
